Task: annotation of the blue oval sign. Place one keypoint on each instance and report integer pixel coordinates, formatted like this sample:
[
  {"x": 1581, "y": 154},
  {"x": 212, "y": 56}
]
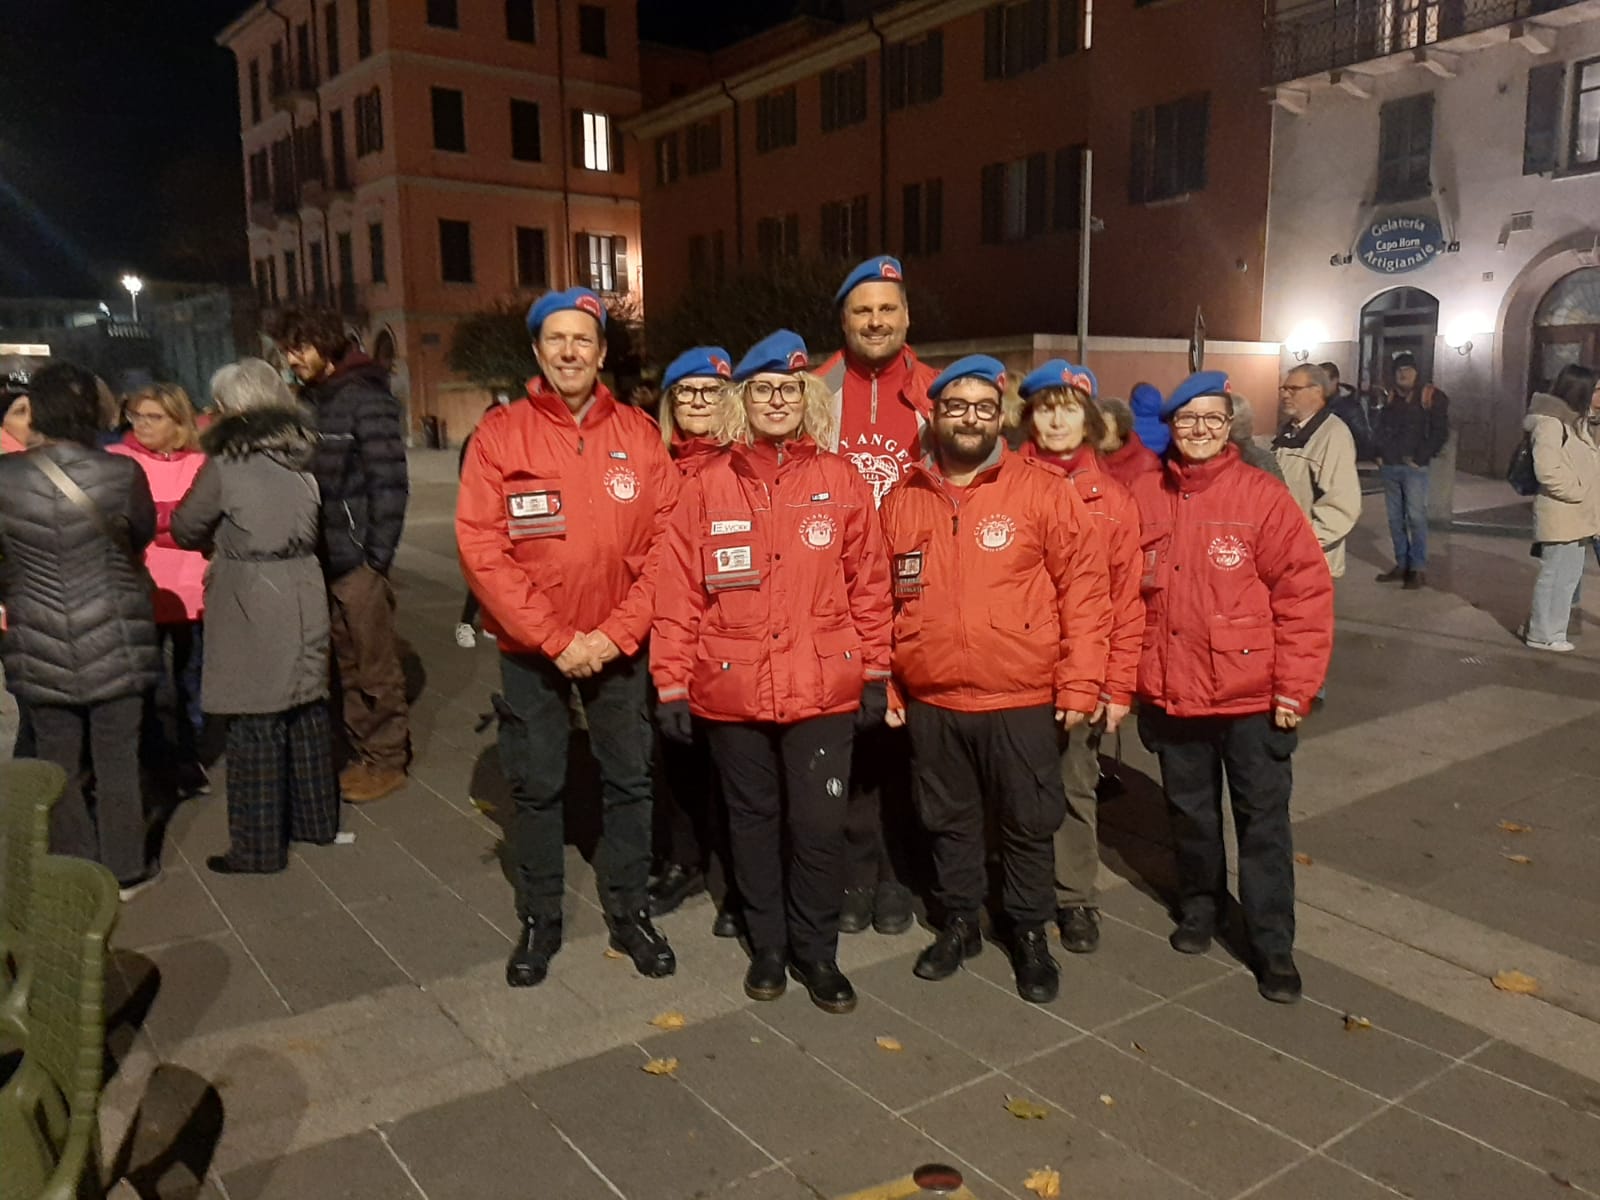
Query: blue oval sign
[{"x": 1395, "y": 245}]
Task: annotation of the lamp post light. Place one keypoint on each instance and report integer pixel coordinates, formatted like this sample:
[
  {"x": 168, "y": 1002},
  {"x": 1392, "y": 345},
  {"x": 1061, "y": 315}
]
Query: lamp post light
[{"x": 135, "y": 285}]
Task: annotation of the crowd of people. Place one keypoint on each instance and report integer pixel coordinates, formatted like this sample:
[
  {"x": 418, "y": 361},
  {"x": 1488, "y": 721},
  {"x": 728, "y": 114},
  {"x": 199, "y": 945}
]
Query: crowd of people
[{"x": 843, "y": 632}]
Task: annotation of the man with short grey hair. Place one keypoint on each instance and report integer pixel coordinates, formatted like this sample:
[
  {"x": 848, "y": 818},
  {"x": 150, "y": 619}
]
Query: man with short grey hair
[{"x": 1317, "y": 454}]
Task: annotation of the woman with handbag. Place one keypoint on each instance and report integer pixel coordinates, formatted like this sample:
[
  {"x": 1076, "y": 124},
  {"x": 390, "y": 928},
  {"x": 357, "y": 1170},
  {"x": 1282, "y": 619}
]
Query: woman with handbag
[
  {"x": 80, "y": 647},
  {"x": 1566, "y": 508}
]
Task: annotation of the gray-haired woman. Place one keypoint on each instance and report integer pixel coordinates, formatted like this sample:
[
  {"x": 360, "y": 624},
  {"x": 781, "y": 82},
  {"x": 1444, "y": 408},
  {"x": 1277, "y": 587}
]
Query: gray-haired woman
[{"x": 254, "y": 509}]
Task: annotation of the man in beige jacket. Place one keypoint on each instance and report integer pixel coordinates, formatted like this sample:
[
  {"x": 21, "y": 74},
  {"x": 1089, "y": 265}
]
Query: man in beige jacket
[{"x": 1318, "y": 457}]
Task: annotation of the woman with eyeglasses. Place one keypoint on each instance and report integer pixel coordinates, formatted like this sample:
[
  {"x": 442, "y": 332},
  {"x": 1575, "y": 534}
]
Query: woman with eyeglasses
[
  {"x": 772, "y": 633},
  {"x": 164, "y": 441},
  {"x": 691, "y": 821},
  {"x": 1238, "y": 630}
]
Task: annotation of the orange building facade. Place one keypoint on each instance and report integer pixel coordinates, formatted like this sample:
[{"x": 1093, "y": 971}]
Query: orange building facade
[
  {"x": 952, "y": 133},
  {"x": 408, "y": 163}
]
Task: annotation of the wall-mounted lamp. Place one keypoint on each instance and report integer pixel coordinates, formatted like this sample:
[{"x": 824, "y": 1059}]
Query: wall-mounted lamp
[
  {"x": 1458, "y": 334},
  {"x": 1304, "y": 337}
]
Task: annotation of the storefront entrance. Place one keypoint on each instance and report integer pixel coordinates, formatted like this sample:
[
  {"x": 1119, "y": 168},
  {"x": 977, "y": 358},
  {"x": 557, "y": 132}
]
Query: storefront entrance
[
  {"x": 1566, "y": 328},
  {"x": 1401, "y": 319}
]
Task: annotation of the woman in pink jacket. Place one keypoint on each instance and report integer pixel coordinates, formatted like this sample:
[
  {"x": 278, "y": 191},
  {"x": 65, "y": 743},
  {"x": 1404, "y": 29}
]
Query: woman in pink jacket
[{"x": 165, "y": 442}]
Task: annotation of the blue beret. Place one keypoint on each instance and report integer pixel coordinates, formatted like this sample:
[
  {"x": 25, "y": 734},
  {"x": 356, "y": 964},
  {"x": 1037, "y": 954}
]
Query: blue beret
[
  {"x": 874, "y": 269},
  {"x": 1201, "y": 383},
  {"x": 572, "y": 300},
  {"x": 710, "y": 361},
  {"x": 1058, "y": 372},
  {"x": 973, "y": 366},
  {"x": 783, "y": 352}
]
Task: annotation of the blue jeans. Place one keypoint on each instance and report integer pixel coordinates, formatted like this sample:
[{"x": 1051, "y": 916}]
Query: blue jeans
[
  {"x": 1560, "y": 570},
  {"x": 1405, "y": 497}
]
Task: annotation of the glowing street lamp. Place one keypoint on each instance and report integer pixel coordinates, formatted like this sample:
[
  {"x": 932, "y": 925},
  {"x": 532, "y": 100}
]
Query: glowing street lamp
[{"x": 135, "y": 285}]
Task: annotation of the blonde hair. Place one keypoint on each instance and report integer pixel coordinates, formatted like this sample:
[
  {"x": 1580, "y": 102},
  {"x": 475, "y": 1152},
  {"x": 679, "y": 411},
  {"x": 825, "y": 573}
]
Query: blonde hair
[
  {"x": 732, "y": 423},
  {"x": 174, "y": 401},
  {"x": 668, "y": 420}
]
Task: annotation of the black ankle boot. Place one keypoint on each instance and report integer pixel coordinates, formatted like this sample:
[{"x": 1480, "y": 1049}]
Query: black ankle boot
[
  {"x": 855, "y": 913},
  {"x": 536, "y": 946},
  {"x": 634, "y": 936},
  {"x": 1193, "y": 935},
  {"x": 957, "y": 942},
  {"x": 1080, "y": 928},
  {"x": 766, "y": 979},
  {"x": 1278, "y": 980},
  {"x": 829, "y": 989},
  {"x": 891, "y": 908},
  {"x": 1038, "y": 976},
  {"x": 672, "y": 887},
  {"x": 729, "y": 922}
]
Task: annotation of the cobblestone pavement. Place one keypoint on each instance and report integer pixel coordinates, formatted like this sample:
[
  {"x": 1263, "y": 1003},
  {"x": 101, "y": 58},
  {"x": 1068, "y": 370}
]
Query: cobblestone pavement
[{"x": 343, "y": 1030}]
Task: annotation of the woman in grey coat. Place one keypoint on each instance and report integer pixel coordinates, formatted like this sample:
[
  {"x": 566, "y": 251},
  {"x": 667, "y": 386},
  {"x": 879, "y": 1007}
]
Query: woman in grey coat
[{"x": 254, "y": 509}]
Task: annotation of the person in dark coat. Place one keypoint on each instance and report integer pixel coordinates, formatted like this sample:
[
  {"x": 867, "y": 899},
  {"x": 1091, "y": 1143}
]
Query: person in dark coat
[
  {"x": 1350, "y": 408},
  {"x": 80, "y": 647},
  {"x": 1410, "y": 430},
  {"x": 254, "y": 509},
  {"x": 360, "y": 466}
]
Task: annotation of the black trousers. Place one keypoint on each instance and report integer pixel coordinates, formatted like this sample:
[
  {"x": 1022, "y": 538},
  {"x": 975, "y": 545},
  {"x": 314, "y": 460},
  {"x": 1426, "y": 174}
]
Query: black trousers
[
  {"x": 778, "y": 780},
  {"x": 281, "y": 785},
  {"x": 1196, "y": 754},
  {"x": 690, "y": 818},
  {"x": 114, "y": 834},
  {"x": 534, "y": 736},
  {"x": 1008, "y": 761},
  {"x": 883, "y": 838}
]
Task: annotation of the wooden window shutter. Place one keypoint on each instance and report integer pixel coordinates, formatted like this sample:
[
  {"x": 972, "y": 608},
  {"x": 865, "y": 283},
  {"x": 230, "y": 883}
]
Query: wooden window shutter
[{"x": 1541, "y": 134}]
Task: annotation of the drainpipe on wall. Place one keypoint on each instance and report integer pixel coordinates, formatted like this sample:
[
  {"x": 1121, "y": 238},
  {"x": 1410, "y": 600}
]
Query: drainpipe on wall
[
  {"x": 883, "y": 134},
  {"x": 566, "y": 150},
  {"x": 299, "y": 222},
  {"x": 1085, "y": 220},
  {"x": 738, "y": 180}
]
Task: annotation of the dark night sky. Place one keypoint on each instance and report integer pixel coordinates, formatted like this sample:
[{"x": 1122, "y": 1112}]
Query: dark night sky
[{"x": 119, "y": 134}]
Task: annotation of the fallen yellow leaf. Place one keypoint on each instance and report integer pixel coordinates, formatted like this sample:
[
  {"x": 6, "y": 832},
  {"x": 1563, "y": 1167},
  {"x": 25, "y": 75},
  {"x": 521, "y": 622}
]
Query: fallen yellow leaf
[
  {"x": 1515, "y": 827},
  {"x": 1353, "y": 1023},
  {"x": 1140, "y": 1048},
  {"x": 888, "y": 1043},
  {"x": 1516, "y": 982},
  {"x": 660, "y": 1066},
  {"x": 482, "y": 806},
  {"x": 1025, "y": 1109},
  {"x": 669, "y": 1020},
  {"x": 1105, "y": 1098},
  {"x": 1521, "y": 860},
  {"x": 1305, "y": 860},
  {"x": 610, "y": 953},
  {"x": 1044, "y": 1183}
]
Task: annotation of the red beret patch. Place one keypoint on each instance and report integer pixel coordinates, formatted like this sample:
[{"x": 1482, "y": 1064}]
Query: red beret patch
[
  {"x": 591, "y": 306},
  {"x": 888, "y": 270},
  {"x": 1081, "y": 382},
  {"x": 797, "y": 360},
  {"x": 1066, "y": 376},
  {"x": 722, "y": 366}
]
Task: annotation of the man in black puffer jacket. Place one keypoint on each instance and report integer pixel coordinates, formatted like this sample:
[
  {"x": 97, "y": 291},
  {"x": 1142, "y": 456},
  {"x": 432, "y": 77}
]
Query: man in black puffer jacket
[
  {"x": 360, "y": 467},
  {"x": 80, "y": 645}
]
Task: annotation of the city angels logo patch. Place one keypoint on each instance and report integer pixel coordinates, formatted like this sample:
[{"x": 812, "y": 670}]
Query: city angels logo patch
[
  {"x": 816, "y": 532},
  {"x": 1227, "y": 552},
  {"x": 622, "y": 484},
  {"x": 996, "y": 532}
]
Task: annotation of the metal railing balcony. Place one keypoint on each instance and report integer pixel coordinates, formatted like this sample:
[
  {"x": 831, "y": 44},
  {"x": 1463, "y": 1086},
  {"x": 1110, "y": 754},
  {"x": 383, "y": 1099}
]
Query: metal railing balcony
[{"x": 1313, "y": 36}]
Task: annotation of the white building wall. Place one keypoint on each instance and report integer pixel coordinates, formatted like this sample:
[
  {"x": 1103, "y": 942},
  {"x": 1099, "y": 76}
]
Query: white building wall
[{"x": 1324, "y": 172}]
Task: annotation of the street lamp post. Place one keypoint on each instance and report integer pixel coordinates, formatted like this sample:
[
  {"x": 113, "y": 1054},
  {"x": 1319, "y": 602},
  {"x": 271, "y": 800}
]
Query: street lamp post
[{"x": 135, "y": 285}]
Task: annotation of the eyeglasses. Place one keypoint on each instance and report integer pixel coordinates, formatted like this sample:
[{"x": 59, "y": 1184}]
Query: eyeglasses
[
  {"x": 695, "y": 397},
  {"x": 154, "y": 418},
  {"x": 1289, "y": 388},
  {"x": 790, "y": 391},
  {"x": 984, "y": 410},
  {"x": 1212, "y": 420}
]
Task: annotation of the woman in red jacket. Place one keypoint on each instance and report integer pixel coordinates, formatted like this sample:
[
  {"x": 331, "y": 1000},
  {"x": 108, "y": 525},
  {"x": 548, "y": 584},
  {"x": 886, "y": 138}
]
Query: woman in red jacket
[
  {"x": 1123, "y": 455},
  {"x": 1065, "y": 430},
  {"x": 772, "y": 631},
  {"x": 1237, "y": 639},
  {"x": 691, "y": 821}
]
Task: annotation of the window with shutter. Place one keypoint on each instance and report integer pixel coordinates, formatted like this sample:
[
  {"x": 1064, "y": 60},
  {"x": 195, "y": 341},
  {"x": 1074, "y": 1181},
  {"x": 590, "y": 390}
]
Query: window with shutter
[
  {"x": 993, "y": 187},
  {"x": 667, "y": 159},
  {"x": 1167, "y": 149},
  {"x": 1067, "y": 22},
  {"x": 377, "y": 262},
  {"x": 1405, "y": 148},
  {"x": 911, "y": 220},
  {"x": 526, "y": 139},
  {"x": 330, "y": 38},
  {"x": 596, "y": 146},
  {"x": 363, "y": 28},
  {"x": 455, "y": 251},
  {"x": 1038, "y": 184},
  {"x": 933, "y": 217},
  {"x": 1541, "y": 131},
  {"x": 620, "y": 281},
  {"x": 442, "y": 14},
  {"x": 1016, "y": 38},
  {"x": 1584, "y": 148},
  {"x": 533, "y": 268},
  {"x": 1069, "y": 188},
  {"x": 449, "y": 120},
  {"x": 521, "y": 25},
  {"x": 592, "y": 30}
]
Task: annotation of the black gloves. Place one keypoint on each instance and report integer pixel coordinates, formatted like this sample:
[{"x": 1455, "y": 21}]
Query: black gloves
[
  {"x": 672, "y": 718},
  {"x": 874, "y": 705}
]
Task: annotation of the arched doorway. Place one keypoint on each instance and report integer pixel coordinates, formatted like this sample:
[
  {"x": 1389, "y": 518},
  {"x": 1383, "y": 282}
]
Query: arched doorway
[
  {"x": 1566, "y": 327},
  {"x": 1401, "y": 319}
]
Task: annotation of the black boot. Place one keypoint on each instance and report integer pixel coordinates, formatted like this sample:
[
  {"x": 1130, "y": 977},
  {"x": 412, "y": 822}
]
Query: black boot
[
  {"x": 1193, "y": 934},
  {"x": 638, "y": 939},
  {"x": 729, "y": 922},
  {"x": 1038, "y": 976},
  {"x": 855, "y": 914},
  {"x": 672, "y": 887},
  {"x": 1278, "y": 980},
  {"x": 1080, "y": 928},
  {"x": 891, "y": 908},
  {"x": 536, "y": 946},
  {"x": 958, "y": 941},
  {"x": 766, "y": 979},
  {"x": 829, "y": 989},
  {"x": 1394, "y": 575}
]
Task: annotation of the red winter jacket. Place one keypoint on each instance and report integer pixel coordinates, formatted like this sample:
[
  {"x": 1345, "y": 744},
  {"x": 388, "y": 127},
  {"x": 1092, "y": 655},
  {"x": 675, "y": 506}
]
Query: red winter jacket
[
  {"x": 1237, "y": 591},
  {"x": 1112, "y": 505},
  {"x": 879, "y": 415},
  {"x": 774, "y": 589},
  {"x": 1131, "y": 460},
  {"x": 1000, "y": 590},
  {"x": 558, "y": 525},
  {"x": 690, "y": 454}
]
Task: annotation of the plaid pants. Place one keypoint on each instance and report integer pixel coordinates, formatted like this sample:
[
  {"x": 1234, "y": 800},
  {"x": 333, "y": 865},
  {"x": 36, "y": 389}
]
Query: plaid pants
[{"x": 281, "y": 785}]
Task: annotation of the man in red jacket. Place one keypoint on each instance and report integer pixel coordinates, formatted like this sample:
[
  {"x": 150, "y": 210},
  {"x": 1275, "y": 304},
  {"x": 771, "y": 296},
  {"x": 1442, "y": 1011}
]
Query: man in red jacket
[
  {"x": 564, "y": 498},
  {"x": 1002, "y": 619},
  {"x": 881, "y": 407},
  {"x": 1239, "y": 628}
]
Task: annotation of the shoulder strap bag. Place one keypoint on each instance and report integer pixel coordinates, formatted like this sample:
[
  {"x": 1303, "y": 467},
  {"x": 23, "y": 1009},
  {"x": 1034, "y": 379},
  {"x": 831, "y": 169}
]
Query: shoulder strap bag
[{"x": 117, "y": 535}]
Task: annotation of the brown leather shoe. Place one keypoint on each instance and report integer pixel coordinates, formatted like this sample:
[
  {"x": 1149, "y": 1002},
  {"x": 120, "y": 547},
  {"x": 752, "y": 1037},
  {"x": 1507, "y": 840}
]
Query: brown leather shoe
[
  {"x": 355, "y": 772},
  {"x": 376, "y": 783}
]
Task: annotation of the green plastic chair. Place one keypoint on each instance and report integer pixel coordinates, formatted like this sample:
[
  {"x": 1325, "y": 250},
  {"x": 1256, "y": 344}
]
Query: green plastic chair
[
  {"x": 49, "y": 1109},
  {"x": 28, "y": 791}
]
